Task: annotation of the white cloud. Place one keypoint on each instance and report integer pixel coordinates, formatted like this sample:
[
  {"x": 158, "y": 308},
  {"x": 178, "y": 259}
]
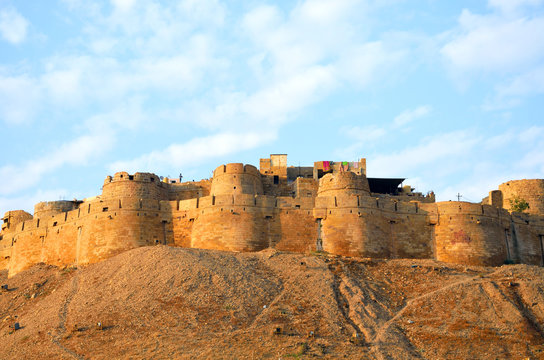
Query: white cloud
[
  {"x": 285, "y": 97},
  {"x": 128, "y": 115},
  {"x": 366, "y": 63},
  {"x": 533, "y": 161},
  {"x": 27, "y": 202},
  {"x": 531, "y": 134},
  {"x": 530, "y": 82},
  {"x": 369, "y": 133},
  {"x": 314, "y": 32},
  {"x": 123, "y": 5},
  {"x": 271, "y": 105},
  {"x": 195, "y": 151},
  {"x": 511, "y": 6},
  {"x": 443, "y": 148},
  {"x": 495, "y": 44},
  {"x": 74, "y": 153},
  {"x": 460, "y": 162},
  {"x": 365, "y": 137},
  {"x": 407, "y": 116},
  {"x": 499, "y": 141},
  {"x": 76, "y": 81},
  {"x": 505, "y": 46},
  {"x": 19, "y": 98},
  {"x": 510, "y": 93},
  {"x": 13, "y": 26}
]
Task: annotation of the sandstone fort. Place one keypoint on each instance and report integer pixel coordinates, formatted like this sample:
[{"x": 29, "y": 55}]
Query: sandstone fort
[{"x": 330, "y": 207}]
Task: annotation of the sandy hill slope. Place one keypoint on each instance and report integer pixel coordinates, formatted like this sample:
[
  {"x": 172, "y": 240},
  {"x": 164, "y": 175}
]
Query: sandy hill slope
[{"x": 163, "y": 303}]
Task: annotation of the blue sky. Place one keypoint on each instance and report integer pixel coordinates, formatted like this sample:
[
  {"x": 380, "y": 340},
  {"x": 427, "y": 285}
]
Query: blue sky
[{"x": 448, "y": 94}]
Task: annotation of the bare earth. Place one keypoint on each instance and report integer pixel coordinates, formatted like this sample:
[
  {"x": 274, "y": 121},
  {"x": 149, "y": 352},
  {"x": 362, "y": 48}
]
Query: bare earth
[{"x": 162, "y": 303}]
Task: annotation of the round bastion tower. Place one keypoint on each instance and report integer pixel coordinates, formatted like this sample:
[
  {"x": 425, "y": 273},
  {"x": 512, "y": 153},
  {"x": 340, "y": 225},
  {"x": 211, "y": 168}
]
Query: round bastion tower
[
  {"x": 471, "y": 234},
  {"x": 343, "y": 184},
  {"x": 47, "y": 209},
  {"x": 236, "y": 179},
  {"x": 229, "y": 219},
  {"x": 138, "y": 186},
  {"x": 352, "y": 225},
  {"x": 530, "y": 190},
  {"x": 127, "y": 215}
]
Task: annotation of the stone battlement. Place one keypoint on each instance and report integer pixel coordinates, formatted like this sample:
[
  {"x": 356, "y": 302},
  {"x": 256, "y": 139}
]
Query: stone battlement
[{"x": 329, "y": 207}]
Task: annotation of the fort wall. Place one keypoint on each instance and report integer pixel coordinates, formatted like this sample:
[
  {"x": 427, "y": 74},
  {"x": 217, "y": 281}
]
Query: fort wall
[
  {"x": 526, "y": 235},
  {"x": 50, "y": 208},
  {"x": 305, "y": 187},
  {"x": 373, "y": 227},
  {"x": 234, "y": 211},
  {"x": 12, "y": 218},
  {"x": 531, "y": 191},
  {"x": 139, "y": 185},
  {"x": 188, "y": 190},
  {"x": 345, "y": 182},
  {"x": 293, "y": 226},
  {"x": 95, "y": 231},
  {"x": 472, "y": 234},
  {"x": 236, "y": 179}
]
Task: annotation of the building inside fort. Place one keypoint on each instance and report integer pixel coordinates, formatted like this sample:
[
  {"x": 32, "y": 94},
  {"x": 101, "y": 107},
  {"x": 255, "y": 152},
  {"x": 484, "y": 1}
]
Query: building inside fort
[{"x": 330, "y": 206}]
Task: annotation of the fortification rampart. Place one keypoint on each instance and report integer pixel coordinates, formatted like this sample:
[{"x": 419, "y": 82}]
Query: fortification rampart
[
  {"x": 343, "y": 182},
  {"x": 95, "y": 231},
  {"x": 245, "y": 222},
  {"x": 526, "y": 239},
  {"x": 474, "y": 234},
  {"x": 139, "y": 185},
  {"x": 188, "y": 190},
  {"x": 235, "y": 211},
  {"x": 359, "y": 225},
  {"x": 50, "y": 208},
  {"x": 532, "y": 191},
  {"x": 236, "y": 179}
]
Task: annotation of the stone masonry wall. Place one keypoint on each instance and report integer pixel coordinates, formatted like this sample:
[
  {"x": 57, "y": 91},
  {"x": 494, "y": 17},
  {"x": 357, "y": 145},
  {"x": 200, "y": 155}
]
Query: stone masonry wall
[
  {"x": 94, "y": 232},
  {"x": 139, "y": 186},
  {"x": 373, "y": 227},
  {"x": 471, "y": 234},
  {"x": 531, "y": 191},
  {"x": 233, "y": 212},
  {"x": 236, "y": 179},
  {"x": 525, "y": 236}
]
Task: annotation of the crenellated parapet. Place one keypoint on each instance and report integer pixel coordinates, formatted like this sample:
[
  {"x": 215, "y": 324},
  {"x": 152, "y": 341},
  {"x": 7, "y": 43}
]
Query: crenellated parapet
[
  {"x": 236, "y": 179},
  {"x": 352, "y": 223},
  {"x": 49, "y": 208},
  {"x": 96, "y": 230},
  {"x": 343, "y": 183},
  {"x": 139, "y": 185},
  {"x": 243, "y": 209}
]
